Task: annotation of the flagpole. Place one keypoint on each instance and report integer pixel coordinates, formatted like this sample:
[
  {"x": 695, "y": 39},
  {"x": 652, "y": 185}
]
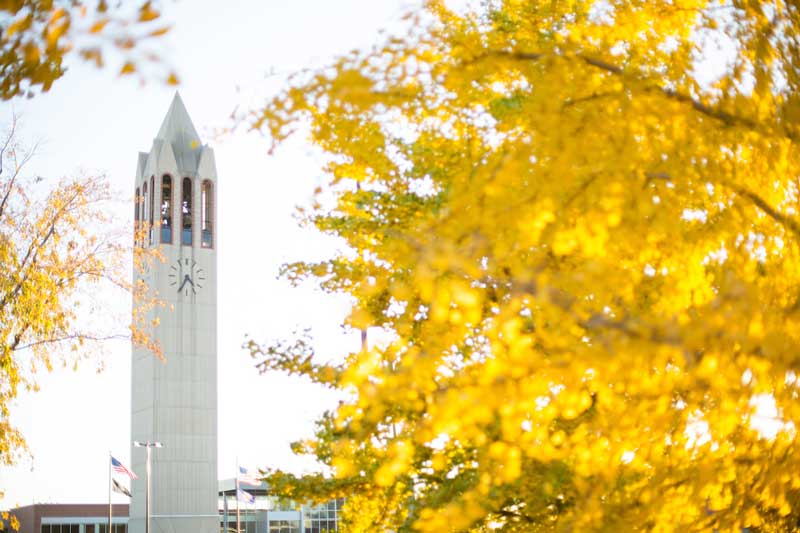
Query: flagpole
[
  {"x": 225, "y": 511},
  {"x": 109, "y": 491},
  {"x": 238, "y": 525}
]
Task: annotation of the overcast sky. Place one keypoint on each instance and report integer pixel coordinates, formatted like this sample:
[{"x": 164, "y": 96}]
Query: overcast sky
[{"x": 92, "y": 121}]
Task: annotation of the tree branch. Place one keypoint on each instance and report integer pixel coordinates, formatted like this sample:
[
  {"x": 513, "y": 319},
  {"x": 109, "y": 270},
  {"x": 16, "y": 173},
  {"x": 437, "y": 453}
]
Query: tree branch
[
  {"x": 511, "y": 514},
  {"x": 784, "y": 220},
  {"x": 76, "y": 336},
  {"x": 725, "y": 117},
  {"x": 36, "y": 245}
]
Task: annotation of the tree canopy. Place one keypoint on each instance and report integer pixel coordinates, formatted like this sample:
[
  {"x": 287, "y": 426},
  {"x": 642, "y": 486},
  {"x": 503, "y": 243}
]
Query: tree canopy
[
  {"x": 578, "y": 224},
  {"x": 36, "y": 35},
  {"x": 58, "y": 244}
]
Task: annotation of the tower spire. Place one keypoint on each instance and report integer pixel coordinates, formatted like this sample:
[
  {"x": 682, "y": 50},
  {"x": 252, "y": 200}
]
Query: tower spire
[
  {"x": 178, "y": 131},
  {"x": 177, "y": 128}
]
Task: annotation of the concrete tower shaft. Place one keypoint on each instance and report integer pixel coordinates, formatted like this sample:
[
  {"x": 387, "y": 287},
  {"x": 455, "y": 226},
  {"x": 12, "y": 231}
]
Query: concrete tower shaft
[{"x": 175, "y": 401}]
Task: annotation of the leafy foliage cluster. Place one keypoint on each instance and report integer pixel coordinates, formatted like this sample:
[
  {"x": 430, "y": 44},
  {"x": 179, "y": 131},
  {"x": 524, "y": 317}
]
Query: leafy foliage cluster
[
  {"x": 58, "y": 247},
  {"x": 36, "y": 35},
  {"x": 578, "y": 222}
]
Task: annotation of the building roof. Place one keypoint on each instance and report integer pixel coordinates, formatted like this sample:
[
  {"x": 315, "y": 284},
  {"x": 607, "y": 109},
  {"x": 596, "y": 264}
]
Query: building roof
[
  {"x": 178, "y": 131},
  {"x": 177, "y": 126},
  {"x": 31, "y": 517}
]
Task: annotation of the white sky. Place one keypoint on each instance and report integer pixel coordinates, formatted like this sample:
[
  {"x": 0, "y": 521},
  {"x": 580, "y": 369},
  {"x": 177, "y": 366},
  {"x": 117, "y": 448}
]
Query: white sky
[{"x": 95, "y": 121}]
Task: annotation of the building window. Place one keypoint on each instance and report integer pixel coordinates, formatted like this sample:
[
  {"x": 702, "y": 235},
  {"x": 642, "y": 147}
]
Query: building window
[
  {"x": 322, "y": 518},
  {"x": 207, "y": 214},
  {"x": 143, "y": 227},
  {"x": 186, "y": 212},
  {"x": 136, "y": 220},
  {"x": 284, "y": 526},
  {"x": 166, "y": 209},
  {"x": 152, "y": 207},
  {"x": 141, "y": 216},
  {"x": 115, "y": 528},
  {"x": 60, "y": 528}
]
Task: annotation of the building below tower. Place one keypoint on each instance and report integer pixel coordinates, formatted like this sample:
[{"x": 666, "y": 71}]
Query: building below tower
[{"x": 268, "y": 514}]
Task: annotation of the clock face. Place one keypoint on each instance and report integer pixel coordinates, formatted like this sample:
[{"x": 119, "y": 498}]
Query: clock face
[{"x": 186, "y": 276}]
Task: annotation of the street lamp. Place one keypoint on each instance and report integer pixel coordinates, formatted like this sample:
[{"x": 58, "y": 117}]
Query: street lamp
[{"x": 147, "y": 445}]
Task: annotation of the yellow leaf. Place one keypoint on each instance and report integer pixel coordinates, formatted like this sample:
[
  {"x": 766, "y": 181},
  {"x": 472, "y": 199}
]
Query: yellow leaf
[
  {"x": 98, "y": 26},
  {"x": 147, "y": 13},
  {"x": 55, "y": 31},
  {"x": 93, "y": 54},
  {"x": 160, "y": 31},
  {"x": 32, "y": 53},
  {"x": 19, "y": 25},
  {"x": 127, "y": 68},
  {"x": 57, "y": 14}
]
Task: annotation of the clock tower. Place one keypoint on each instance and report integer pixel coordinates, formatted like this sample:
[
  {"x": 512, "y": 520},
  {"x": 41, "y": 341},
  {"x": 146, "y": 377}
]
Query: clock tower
[{"x": 174, "y": 401}]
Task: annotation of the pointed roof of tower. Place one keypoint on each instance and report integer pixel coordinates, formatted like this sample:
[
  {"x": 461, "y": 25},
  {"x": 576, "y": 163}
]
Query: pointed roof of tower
[
  {"x": 178, "y": 131},
  {"x": 177, "y": 127}
]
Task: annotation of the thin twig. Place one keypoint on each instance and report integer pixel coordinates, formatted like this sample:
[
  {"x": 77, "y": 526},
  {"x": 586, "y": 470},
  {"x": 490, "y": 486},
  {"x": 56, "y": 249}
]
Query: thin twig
[{"x": 76, "y": 336}]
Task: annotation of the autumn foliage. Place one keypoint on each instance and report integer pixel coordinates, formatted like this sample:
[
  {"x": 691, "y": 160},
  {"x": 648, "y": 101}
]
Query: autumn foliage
[
  {"x": 60, "y": 247},
  {"x": 578, "y": 224},
  {"x": 37, "y": 37}
]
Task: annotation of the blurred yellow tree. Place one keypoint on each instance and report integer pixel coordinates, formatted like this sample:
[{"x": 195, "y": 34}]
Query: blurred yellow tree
[
  {"x": 577, "y": 222},
  {"x": 36, "y": 35}
]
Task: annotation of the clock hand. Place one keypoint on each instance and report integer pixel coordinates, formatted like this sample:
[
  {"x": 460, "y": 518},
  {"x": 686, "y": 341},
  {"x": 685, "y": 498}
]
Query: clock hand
[{"x": 185, "y": 279}]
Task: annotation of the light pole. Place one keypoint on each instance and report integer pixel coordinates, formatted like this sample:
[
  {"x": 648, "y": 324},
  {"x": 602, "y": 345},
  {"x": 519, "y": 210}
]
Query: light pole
[{"x": 147, "y": 445}]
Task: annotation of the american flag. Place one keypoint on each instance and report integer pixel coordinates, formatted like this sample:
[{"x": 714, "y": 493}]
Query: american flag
[
  {"x": 245, "y": 497},
  {"x": 247, "y": 478},
  {"x": 121, "y": 468}
]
